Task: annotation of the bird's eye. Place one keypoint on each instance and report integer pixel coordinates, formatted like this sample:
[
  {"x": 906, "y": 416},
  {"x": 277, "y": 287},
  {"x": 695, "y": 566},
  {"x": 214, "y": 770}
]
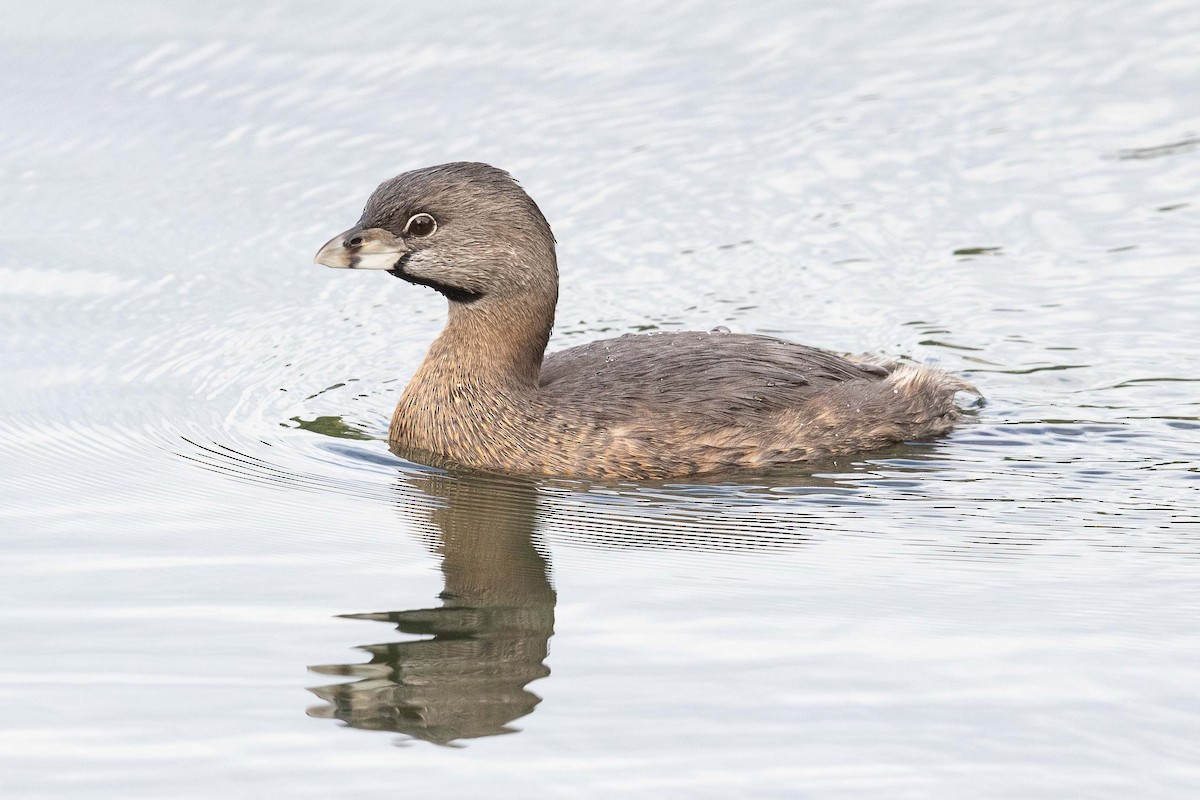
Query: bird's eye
[{"x": 420, "y": 225}]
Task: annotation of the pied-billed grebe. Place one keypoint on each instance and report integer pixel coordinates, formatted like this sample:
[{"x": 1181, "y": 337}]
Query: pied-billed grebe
[{"x": 638, "y": 406}]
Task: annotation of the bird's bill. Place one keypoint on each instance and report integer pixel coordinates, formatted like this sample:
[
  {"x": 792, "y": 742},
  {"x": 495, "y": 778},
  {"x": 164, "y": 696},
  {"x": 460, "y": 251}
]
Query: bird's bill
[{"x": 361, "y": 248}]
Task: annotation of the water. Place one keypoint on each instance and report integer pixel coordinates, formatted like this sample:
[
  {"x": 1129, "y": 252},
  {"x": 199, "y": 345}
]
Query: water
[{"x": 216, "y": 581}]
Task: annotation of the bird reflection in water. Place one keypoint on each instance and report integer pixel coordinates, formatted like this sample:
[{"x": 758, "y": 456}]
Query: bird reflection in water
[{"x": 489, "y": 638}]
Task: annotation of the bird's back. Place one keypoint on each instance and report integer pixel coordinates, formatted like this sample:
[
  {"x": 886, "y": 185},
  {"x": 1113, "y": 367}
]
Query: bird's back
[
  {"x": 713, "y": 401},
  {"x": 724, "y": 377}
]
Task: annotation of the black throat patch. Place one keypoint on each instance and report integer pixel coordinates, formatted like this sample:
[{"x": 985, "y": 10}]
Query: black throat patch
[{"x": 454, "y": 294}]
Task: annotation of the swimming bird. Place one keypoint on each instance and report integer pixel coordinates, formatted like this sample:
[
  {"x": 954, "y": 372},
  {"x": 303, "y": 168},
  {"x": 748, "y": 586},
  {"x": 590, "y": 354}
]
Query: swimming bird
[{"x": 640, "y": 406}]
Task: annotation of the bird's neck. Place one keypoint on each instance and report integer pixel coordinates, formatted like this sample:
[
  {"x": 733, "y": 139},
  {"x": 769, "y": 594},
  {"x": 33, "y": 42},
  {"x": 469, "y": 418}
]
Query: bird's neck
[
  {"x": 481, "y": 373},
  {"x": 491, "y": 343}
]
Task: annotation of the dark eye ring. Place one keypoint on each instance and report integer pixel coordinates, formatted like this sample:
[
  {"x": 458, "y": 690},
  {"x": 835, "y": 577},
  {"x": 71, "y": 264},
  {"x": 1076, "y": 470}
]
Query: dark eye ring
[{"x": 420, "y": 225}]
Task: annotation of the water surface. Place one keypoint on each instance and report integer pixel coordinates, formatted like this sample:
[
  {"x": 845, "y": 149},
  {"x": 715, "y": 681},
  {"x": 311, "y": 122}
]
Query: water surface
[{"x": 218, "y": 582}]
